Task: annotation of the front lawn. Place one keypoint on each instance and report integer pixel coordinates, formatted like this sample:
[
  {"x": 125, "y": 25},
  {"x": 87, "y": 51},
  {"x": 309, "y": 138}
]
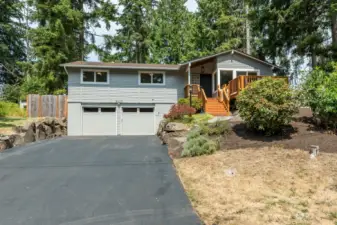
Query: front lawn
[
  {"x": 268, "y": 186},
  {"x": 7, "y": 124}
]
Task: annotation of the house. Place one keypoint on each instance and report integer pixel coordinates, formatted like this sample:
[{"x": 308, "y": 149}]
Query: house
[{"x": 131, "y": 99}]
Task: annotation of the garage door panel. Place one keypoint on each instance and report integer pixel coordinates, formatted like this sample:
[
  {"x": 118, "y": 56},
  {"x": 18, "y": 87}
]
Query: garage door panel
[
  {"x": 140, "y": 122},
  {"x": 99, "y": 122}
]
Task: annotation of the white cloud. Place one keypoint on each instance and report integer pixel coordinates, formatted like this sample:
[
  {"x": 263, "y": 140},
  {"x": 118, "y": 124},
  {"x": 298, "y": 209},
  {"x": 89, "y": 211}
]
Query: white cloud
[{"x": 191, "y": 6}]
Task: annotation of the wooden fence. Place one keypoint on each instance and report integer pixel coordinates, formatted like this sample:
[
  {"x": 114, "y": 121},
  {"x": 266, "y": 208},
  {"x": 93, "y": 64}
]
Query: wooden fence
[{"x": 47, "y": 106}]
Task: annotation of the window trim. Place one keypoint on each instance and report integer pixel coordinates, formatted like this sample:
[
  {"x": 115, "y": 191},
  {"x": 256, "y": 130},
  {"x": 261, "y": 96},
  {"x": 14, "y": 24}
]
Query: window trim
[
  {"x": 151, "y": 84},
  {"x": 95, "y": 71}
]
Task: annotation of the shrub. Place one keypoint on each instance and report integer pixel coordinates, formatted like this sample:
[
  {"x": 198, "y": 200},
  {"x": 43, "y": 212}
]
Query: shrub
[
  {"x": 196, "y": 102},
  {"x": 178, "y": 111},
  {"x": 320, "y": 93},
  {"x": 197, "y": 145},
  {"x": 217, "y": 128},
  {"x": 11, "y": 109},
  {"x": 267, "y": 105}
]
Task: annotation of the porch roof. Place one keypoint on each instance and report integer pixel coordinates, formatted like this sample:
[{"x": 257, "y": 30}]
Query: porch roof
[{"x": 211, "y": 57}]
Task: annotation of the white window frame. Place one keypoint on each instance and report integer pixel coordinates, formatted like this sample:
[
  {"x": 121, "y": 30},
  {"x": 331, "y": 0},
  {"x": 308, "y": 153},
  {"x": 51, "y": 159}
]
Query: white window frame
[
  {"x": 151, "y": 84},
  {"x": 95, "y": 71},
  {"x": 234, "y": 73}
]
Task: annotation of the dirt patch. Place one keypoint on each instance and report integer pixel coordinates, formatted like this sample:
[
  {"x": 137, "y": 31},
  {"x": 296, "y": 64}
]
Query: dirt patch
[
  {"x": 269, "y": 186},
  {"x": 300, "y": 135}
]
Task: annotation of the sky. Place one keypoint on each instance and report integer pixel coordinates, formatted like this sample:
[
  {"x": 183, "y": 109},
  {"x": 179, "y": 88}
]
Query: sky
[{"x": 190, "y": 4}]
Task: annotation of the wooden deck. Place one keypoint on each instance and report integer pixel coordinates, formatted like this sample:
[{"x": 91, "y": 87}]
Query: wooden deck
[{"x": 220, "y": 105}]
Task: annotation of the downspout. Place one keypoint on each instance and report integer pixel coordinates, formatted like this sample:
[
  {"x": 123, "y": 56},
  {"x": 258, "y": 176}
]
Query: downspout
[{"x": 189, "y": 73}]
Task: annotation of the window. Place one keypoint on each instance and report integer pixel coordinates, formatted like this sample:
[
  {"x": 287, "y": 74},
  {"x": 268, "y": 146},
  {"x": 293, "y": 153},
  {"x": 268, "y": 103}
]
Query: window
[
  {"x": 245, "y": 73},
  {"x": 146, "y": 109},
  {"x": 129, "y": 109},
  {"x": 97, "y": 77},
  {"x": 152, "y": 78},
  {"x": 107, "y": 110},
  {"x": 90, "y": 109}
]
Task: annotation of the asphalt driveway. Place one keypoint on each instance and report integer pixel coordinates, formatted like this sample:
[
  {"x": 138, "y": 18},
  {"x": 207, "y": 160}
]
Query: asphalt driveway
[{"x": 92, "y": 181}]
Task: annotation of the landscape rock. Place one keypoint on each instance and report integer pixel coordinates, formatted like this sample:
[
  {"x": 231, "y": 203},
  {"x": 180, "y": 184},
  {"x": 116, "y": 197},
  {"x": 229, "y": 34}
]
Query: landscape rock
[
  {"x": 3, "y": 146},
  {"x": 30, "y": 134},
  {"x": 176, "y": 146},
  {"x": 166, "y": 136},
  {"x": 174, "y": 127},
  {"x": 32, "y": 131},
  {"x": 17, "y": 139},
  {"x": 161, "y": 127}
]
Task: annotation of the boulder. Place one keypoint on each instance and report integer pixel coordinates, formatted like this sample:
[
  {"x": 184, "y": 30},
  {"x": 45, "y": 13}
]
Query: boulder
[
  {"x": 174, "y": 127},
  {"x": 30, "y": 134},
  {"x": 17, "y": 139},
  {"x": 5, "y": 143},
  {"x": 176, "y": 146},
  {"x": 161, "y": 127},
  {"x": 166, "y": 136}
]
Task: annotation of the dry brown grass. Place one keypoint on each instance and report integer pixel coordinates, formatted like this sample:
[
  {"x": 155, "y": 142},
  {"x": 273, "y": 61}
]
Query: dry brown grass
[{"x": 271, "y": 186}]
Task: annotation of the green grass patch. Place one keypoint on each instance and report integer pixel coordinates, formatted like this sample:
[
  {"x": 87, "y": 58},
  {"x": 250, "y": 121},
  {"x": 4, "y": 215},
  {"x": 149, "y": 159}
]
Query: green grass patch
[{"x": 9, "y": 109}]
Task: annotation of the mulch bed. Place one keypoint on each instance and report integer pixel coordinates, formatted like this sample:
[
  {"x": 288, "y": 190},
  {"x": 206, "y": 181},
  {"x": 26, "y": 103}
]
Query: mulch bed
[{"x": 300, "y": 135}]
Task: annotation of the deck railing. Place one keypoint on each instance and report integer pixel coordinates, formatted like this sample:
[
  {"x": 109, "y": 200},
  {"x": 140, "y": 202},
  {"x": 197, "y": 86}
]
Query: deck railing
[
  {"x": 241, "y": 82},
  {"x": 197, "y": 92},
  {"x": 227, "y": 92}
]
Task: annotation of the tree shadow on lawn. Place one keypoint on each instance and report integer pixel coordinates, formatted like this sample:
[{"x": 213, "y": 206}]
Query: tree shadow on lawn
[{"x": 240, "y": 129}]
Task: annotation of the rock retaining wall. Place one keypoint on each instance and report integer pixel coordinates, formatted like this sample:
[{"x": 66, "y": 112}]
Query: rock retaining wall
[
  {"x": 46, "y": 128},
  {"x": 174, "y": 136}
]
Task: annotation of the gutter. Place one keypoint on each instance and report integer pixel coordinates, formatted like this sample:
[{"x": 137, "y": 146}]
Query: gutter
[{"x": 121, "y": 67}]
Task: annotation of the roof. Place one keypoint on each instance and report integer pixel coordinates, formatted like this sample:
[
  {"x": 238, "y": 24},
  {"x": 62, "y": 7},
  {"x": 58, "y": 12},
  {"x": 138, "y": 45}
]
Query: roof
[
  {"x": 230, "y": 52},
  {"x": 82, "y": 64}
]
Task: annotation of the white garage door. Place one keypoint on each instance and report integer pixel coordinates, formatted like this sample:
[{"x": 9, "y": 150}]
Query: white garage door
[
  {"x": 137, "y": 121},
  {"x": 99, "y": 121}
]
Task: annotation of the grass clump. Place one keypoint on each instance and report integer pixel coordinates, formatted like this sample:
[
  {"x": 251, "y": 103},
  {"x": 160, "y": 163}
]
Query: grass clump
[
  {"x": 197, "y": 145},
  {"x": 215, "y": 129}
]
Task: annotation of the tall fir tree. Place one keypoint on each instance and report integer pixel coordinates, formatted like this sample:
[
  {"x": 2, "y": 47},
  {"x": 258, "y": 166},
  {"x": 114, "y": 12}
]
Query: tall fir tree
[
  {"x": 62, "y": 35},
  {"x": 12, "y": 48},
  {"x": 220, "y": 26},
  {"x": 132, "y": 39},
  {"x": 172, "y": 39}
]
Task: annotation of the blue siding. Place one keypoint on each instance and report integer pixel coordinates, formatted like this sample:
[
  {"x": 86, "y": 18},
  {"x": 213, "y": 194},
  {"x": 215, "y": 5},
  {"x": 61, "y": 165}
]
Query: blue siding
[
  {"x": 236, "y": 61},
  {"x": 124, "y": 87}
]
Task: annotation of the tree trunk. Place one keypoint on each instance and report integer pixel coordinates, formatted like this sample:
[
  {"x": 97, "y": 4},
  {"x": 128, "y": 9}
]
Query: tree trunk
[
  {"x": 248, "y": 47},
  {"x": 313, "y": 59},
  {"x": 334, "y": 28}
]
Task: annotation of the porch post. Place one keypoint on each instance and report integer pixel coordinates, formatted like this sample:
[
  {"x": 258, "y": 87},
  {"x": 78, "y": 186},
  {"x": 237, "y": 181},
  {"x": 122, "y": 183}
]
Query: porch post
[
  {"x": 218, "y": 79},
  {"x": 189, "y": 74}
]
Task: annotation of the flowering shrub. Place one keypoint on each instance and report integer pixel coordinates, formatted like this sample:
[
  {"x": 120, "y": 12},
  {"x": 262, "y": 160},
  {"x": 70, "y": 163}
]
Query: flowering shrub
[{"x": 178, "y": 111}]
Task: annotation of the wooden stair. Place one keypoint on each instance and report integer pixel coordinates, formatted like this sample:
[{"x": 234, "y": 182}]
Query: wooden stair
[{"x": 215, "y": 108}]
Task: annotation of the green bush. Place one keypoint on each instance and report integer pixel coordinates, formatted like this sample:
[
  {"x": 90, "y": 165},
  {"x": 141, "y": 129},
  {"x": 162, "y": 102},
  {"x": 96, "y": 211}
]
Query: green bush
[
  {"x": 197, "y": 145},
  {"x": 217, "y": 128},
  {"x": 11, "y": 109},
  {"x": 320, "y": 93},
  {"x": 267, "y": 105},
  {"x": 196, "y": 102}
]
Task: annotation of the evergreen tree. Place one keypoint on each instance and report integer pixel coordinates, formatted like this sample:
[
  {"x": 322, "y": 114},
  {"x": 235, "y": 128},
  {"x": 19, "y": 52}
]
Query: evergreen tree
[
  {"x": 172, "y": 38},
  {"x": 12, "y": 47},
  {"x": 132, "y": 40},
  {"x": 220, "y": 26},
  {"x": 61, "y": 35}
]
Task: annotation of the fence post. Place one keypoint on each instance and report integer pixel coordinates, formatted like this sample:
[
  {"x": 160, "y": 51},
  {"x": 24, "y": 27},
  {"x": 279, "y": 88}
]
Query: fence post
[{"x": 57, "y": 107}]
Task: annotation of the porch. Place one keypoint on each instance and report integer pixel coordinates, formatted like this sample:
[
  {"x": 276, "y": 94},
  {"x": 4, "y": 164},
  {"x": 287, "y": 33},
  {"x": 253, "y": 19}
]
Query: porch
[
  {"x": 219, "y": 78},
  {"x": 219, "y": 103}
]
